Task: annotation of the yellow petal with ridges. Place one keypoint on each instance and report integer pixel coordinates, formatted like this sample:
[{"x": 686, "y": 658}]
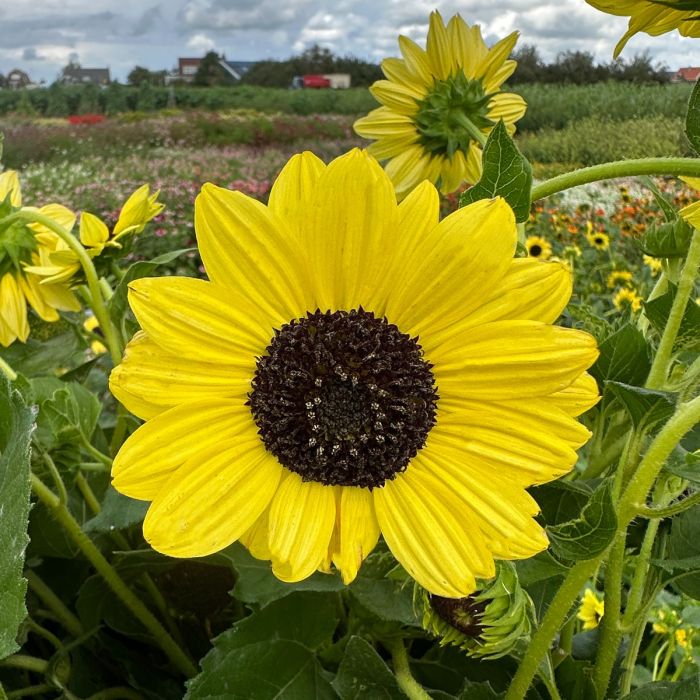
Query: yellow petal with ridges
[
  {"x": 498, "y": 76},
  {"x": 408, "y": 169},
  {"x": 358, "y": 531},
  {"x": 33, "y": 292},
  {"x": 578, "y": 397},
  {"x": 302, "y": 517},
  {"x": 453, "y": 267},
  {"x": 159, "y": 447},
  {"x": 507, "y": 106},
  {"x": 496, "y": 57},
  {"x": 397, "y": 96},
  {"x": 60, "y": 297},
  {"x": 13, "y": 307},
  {"x": 245, "y": 247},
  {"x": 462, "y": 42},
  {"x": 432, "y": 535},
  {"x": 351, "y": 229},
  {"x": 93, "y": 231},
  {"x": 511, "y": 360},
  {"x": 254, "y": 539},
  {"x": 201, "y": 321},
  {"x": 9, "y": 184},
  {"x": 213, "y": 498},
  {"x": 151, "y": 375},
  {"x": 293, "y": 190},
  {"x": 417, "y": 63},
  {"x": 382, "y": 122},
  {"x": 438, "y": 48},
  {"x": 391, "y": 146}
]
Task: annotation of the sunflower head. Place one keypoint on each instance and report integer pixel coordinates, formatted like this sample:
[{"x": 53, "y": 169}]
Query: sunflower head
[
  {"x": 488, "y": 624},
  {"x": 619, "y": 278},
  {"x": 538, "y": 247},
  {"x": 627, "y": 299},
  {"x": 591, "y": 610},
  {"x": 654, "y": 264},
  {"x": 598, "y": 239},
  {"x": 318, "y": 391},
  {"x": 439, "y": 104}
]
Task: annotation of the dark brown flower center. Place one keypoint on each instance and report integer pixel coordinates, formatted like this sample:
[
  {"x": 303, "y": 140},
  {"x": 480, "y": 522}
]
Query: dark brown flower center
[
  {"x": 343, "y": 398},
  {"x": 464, "y": 614}
]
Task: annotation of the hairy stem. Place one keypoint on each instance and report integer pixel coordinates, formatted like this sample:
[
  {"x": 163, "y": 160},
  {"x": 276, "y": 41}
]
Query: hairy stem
[{"x": 413, "y": 689}]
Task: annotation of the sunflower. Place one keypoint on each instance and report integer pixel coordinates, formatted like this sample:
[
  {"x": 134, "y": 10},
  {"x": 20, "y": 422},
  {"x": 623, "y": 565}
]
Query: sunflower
[
  {"x": 653, "y": 17},
  {"x": 92, "y": 326},
  {"x": 627, "y": 299},
  {"x": 591, "y": 610},
  {"x": 598, "y": 239},
  {"x": 439, "y": 104},
  {"x": 21, "y": 245},
  {"x": 353, "y": 368},
  {"x": 619, "y": 278},
  {"x": 538, "y": 247}
]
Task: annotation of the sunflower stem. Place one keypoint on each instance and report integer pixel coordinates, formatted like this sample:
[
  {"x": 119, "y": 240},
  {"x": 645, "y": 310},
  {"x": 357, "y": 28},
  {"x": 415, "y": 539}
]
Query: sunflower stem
[
  {"x": 7, "y": 370},
  {"x": 669, "y": 511},
  {"x": 405, "y": 679},
  {"x": 93, "y": 282},
  {"x": 662, "y": 361},
  {"x": 608, "y": 171},
  {"x": 176, "y": 655},
  {"x": 54, "y": 603}
]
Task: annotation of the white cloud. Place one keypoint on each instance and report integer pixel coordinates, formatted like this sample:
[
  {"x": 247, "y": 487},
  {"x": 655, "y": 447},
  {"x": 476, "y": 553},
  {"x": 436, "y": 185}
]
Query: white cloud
[{"x": 201, "y": 43}]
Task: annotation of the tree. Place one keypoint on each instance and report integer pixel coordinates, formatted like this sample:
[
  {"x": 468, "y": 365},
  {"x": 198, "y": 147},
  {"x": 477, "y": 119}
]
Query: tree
[
  {"x": 210, "y": 71},
  {"x": 530, "y": 66},
  {"x": 140, "y": 75}
]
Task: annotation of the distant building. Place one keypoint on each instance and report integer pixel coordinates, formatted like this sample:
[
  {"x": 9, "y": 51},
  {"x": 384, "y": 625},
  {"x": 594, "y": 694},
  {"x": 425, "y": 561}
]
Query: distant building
[
  {"x": 187, "y": 69},
  {"x": 686, "y": 75},
  {"x": 74, "y": 74},
  {"x": 17, "y": 79}
]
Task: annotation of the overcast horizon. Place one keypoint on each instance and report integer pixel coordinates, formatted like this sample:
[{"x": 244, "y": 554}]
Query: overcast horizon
[{"x": 42, "y": 37}]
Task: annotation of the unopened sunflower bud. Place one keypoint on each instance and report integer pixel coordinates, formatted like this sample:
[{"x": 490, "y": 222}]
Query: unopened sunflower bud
[{"x": 487, "y": 624}]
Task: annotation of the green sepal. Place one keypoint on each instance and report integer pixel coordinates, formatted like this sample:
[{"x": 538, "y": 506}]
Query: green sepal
[
  {"x": 692, "y": 116},
  {"x": 668, "y": 240}
]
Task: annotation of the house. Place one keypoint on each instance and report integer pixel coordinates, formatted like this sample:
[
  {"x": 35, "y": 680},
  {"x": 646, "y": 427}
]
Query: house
[
  {"x": 17, "y": 79},
  {"x": 686, "y": 75},
  {"x": 187, "y": 69},
  {"x": 75, "y": 74}
]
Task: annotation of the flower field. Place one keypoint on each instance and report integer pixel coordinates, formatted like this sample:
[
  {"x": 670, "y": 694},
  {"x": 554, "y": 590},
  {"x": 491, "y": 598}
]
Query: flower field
[{"x": 390, "y": 397}]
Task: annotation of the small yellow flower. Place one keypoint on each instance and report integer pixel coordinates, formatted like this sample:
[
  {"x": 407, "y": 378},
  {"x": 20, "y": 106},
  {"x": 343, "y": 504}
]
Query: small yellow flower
[
  {"x": 653, "y": 17},
  {"x": 591, "y": 610},
  {"x": 660, "y": 628},
  {"x": 682, "y": 638},
  {"x": 92, "y": 325},
  {"x": 598, "y": 239},
  {"x": 538, "y": 247},
  {"x": 627, "y": 299},
  {"x": 439, "y": 103},
  {"x": 654, "y": 264},
  {"x": 619, "y": 278},
  {"x": 137, "y": 211}
]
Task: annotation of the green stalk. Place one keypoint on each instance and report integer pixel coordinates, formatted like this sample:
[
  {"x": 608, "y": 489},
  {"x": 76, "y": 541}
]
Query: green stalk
[
  {"x": 410, "y": 686},
  {"x": 551, "y": 622},
  {"x": 622, "y": 168},
  {"x": 55, "y": 604},
  {"x": 7, "y": 370},
  {"x": 686, "y": 283},
  {"x": 670, "y": 511},
  {"x": 176, "y": 655},
  {"x": 93, "y": 282},
  {"x": 28, "y": 663}
]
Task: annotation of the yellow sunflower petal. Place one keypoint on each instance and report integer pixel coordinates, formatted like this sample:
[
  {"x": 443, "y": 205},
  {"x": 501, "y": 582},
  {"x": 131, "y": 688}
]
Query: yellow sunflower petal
[
  {"x": 464, "y": 45},
  {"x": 292, "y": 191},
  {"x": 7, "y": 337},
  {"x": 501, "y": 510},
  {"x": 358, "y": 531},
  {"x": 391, "y": 147},
  {"x": 32, "y": 290},
  {"x": 60, "y": 297},
  {"x": 432, "y": 535},
  {"x": 417, "y": 63},
  {"x": 384, "y": 122},
  {"x": 152, "y": 454},
  {"x": 438, "y": 48},
  {"x": 453, "y": 267},
  {"x": 200, "y": 320},
  {"x": 397, "y": 96},
  {"x": 9, "y": 184},
  {"x": 498, "y": 76},
  {"x": 13, "y": 307},
  {"x": 244, "y": 246},
  {"x": 511, "y": 360},
  {"x": 507, "y": 106},
  {"x": 302, "y": 516},
  {"x": 211, "y": 500},
  {"x": 526, "y": 444},
  {"x": 255, "y": 537},
  {"x": 148, "y": 374},
  {"x": 578, "y": 397},
  {"x": 408, "y": 169},
  {"x": 495, "y": 59},
  {"x": 350, "y": 228},
  {"x": 93, "y": 231}
]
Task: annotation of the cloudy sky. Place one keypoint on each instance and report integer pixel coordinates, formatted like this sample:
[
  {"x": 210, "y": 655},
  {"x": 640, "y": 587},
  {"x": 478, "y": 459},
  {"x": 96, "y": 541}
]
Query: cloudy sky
[{"x": 40, "y": 36}]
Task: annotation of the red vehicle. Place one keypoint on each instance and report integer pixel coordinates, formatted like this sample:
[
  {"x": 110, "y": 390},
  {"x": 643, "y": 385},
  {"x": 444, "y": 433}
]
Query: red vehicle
[
  {"x": 86, "y": 118},
  {"x": 310, "y": 81}
]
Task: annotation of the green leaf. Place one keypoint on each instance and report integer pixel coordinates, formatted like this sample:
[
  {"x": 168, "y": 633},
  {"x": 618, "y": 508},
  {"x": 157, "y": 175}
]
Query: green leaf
[
  {"x": 143, "y": 268},
  {"x": 658, "y": 310},
  {"x": 645, "y": 407},
  {"x": 272, "y": 653},
  {"x": 541, "y": 567},
  {"x": 665, "y": 204},
  {"x": 624, "y": 357},
  {"x": 590, "y": 533},
  {"x": 684, "y": 464},
  {"x": 16, "y": 421},
  {"x": 506, "y": 173},
  {"x": 692, "y": 118},
  {"x": 72, "y": 411},
  {"x": 688, "y": 689},
  {"x": 118, "y": 512},
  {"x": 683, "y": 551},
  {"x": 40, "y": 357},
  {"x": 257, "y": 584},
  {"x": 364, "y": 674}
]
